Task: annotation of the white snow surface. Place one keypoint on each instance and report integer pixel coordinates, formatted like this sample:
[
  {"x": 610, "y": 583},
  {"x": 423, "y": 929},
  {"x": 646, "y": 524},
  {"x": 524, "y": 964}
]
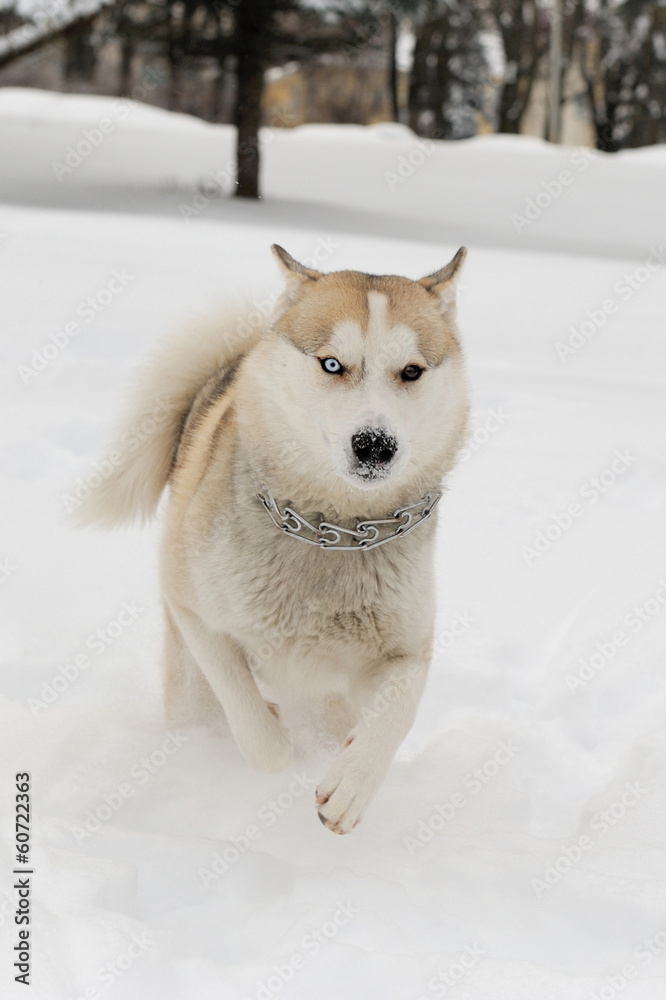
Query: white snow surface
[{"x": 516, "y": 849}]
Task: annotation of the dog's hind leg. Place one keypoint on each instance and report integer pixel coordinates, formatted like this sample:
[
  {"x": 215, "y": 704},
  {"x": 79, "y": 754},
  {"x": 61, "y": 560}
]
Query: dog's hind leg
[{"x": 259, "y": 733}]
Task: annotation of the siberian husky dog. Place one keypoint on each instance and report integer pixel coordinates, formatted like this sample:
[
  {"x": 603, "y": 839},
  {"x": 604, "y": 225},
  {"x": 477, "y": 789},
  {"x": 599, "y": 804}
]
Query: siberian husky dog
[{"x": 304, "y": 461}]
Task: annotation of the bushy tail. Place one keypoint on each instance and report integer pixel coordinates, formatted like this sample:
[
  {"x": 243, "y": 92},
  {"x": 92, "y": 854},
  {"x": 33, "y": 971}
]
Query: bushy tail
[{"x": 131, "y": 477}]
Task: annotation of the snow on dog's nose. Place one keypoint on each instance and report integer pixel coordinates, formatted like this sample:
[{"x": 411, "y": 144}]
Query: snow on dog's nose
[{"x": 374, "y": 449}]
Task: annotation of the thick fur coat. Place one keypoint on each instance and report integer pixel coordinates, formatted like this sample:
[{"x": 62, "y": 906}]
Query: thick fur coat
[{"x": 349, "y": 404}]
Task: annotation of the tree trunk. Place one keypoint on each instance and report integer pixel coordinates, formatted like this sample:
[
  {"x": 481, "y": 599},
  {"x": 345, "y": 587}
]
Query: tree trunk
[
  {"x": 555, "y": 75},
  {"x": 173, "y": 91},
  {"x": 605, "y": 129},
  {"x": 173, "y": 58},
  {"x": 510, "y": 112},
  {"x": 393, "y": 68},
  {"x": 248, "y": 120},
  {"x": 429, "y": 81},
  {"x": 523, "y": 42},
  {"x": 125, "y": 69},
  {"x": 252, "y": 20},
  {"x": 80, "y": 55}
]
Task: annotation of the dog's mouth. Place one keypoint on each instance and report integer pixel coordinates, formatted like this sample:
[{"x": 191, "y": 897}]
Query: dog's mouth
[{"x": 369, "y": 474}]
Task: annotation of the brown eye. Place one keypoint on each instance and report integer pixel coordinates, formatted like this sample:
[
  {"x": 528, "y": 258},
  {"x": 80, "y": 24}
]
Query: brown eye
[{"x": 411, "y": 373}]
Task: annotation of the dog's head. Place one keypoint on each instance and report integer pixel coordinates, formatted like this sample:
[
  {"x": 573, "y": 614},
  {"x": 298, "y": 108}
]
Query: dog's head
[{"x": 368, "y": 372}]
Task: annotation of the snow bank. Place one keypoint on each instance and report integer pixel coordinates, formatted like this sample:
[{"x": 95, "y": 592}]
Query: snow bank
[{"x": 508, "y": 190}]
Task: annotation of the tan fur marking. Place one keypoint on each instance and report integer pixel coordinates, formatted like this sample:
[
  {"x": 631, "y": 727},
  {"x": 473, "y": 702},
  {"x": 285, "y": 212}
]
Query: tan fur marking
[
  {"x": 309, "y": 323},
  {"x": 411, "y": 305},
  {"x": 206, "y": 446},
  {"x": 343, "y": 296}
]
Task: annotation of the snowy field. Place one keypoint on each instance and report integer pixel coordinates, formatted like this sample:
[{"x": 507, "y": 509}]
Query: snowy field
[{"x": 517, "y": 848}]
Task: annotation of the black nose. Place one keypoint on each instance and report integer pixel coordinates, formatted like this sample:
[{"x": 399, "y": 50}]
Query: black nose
[{"x": 374, "y": 446}]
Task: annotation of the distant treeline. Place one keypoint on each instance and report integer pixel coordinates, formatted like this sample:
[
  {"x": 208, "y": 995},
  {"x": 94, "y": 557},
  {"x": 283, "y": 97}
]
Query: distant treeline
[{"x": 448, "y": 69}]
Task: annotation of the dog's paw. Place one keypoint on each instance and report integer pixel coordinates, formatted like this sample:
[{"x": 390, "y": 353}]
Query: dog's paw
[
  {"x": 267, "y": 747},
  {"x": 348, "y": 788}
]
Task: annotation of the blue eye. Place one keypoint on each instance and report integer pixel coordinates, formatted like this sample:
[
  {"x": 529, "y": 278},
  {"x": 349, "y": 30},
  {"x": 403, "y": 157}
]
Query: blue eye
[{"x": 331, "y": 365}]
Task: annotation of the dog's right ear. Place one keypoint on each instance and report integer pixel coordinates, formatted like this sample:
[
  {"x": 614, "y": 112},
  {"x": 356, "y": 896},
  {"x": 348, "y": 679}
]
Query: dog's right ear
[{"x": 296, "y": 275}]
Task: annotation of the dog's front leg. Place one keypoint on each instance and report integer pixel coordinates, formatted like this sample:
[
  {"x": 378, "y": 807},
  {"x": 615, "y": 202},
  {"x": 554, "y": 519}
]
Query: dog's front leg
[
  {"x": 261, "y": 737},
  {"x": 386, "y": 718}
]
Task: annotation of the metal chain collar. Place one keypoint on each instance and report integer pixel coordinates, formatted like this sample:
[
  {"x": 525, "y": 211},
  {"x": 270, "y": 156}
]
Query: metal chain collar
[{"x": 366, "y": 535}]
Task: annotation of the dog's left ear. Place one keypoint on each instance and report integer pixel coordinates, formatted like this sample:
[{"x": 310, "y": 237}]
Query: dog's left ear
[
  {"x": 443, "y": 283},
  {"x": 297, "y": 275}
]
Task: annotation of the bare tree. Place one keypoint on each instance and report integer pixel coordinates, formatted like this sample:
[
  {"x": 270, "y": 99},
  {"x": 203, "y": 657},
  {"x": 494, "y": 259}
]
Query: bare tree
[
  {"x": 623, "y": 61},
  {"x": 254, "y": 26},
  {"x": 523, "y": 32},
  {"x": 449, "y": 75}
]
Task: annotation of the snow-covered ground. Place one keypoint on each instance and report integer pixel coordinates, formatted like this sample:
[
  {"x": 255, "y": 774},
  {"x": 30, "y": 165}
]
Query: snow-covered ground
[{"x": 517, "y": 848}]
